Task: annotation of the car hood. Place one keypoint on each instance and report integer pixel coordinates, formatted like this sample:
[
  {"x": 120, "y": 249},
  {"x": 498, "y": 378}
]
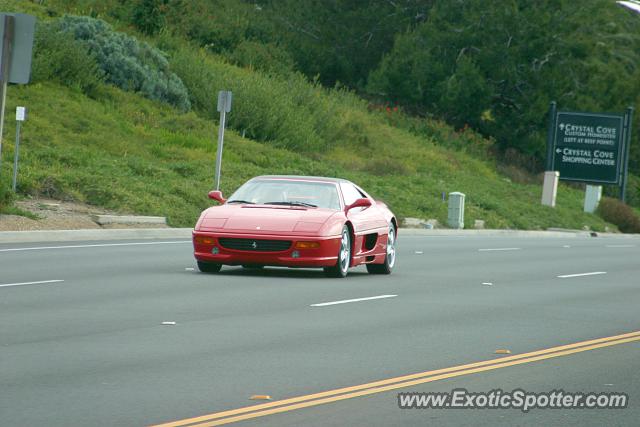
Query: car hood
[{"x": 264, "y": 219}]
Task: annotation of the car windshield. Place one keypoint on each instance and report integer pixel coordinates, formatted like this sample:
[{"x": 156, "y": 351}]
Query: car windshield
[{"x": 288, "y": 192}]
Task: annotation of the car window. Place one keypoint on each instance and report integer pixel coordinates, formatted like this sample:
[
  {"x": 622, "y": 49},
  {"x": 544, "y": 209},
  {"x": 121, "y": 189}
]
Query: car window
[
  {"x": 282, "y": 191},
  {"x": 350, "y": 193}
]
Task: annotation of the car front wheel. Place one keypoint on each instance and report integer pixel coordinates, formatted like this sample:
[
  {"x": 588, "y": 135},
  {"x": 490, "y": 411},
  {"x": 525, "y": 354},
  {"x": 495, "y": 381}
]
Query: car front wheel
[{"x": 344, "y": 257}]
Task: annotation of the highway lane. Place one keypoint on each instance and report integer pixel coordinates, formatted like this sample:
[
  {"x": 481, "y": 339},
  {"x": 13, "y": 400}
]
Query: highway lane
[{"x": 92, "y": 350}]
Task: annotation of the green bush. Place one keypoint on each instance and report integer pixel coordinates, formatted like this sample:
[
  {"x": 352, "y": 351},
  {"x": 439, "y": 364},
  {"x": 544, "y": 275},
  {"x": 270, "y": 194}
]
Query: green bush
[
  {"x": 127, "y": 63},
  {"x": 620, "y": 214},
  {"x": 6, "y": 196},
  {"x": 217, "y": 25},
  {"x": 464, "y": 139},
  {"x": 266, "y": 57},
  {"x": 290, "y": 112},
  {"x": 59, "y": 57},
  {"x": 149, "y": 15}
]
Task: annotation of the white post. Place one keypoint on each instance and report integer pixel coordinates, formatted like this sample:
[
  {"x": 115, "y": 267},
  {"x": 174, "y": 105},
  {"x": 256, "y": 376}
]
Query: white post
[
  {"x": 592, "y": 196},
  {"x": 456, "y": 210},
  {"x": 550, "y": 188}
]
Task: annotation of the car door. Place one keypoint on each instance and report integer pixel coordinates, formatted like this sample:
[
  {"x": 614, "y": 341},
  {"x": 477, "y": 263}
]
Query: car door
[{"x": 362, "y": 218}]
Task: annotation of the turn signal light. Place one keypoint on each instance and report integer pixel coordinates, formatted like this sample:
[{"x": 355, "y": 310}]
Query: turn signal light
[
  {"x": 204, "y": 240},
  {"x": 307, "y": 245}
]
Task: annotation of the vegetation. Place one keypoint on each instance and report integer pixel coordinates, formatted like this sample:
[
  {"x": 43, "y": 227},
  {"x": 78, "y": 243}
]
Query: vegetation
[
  {"x": 59, "y": 57},
  {"x": 616, "y": 212},
  {"x": 492, "y": 66},
  {"x": 127, "y": 63},
  {"x": 495, "y": 66},
  {"x": 105, "y": 144}
]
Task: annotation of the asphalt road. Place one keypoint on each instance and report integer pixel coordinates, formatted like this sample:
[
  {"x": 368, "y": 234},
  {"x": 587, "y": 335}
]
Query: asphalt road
[{"x": 88, "y": 348}]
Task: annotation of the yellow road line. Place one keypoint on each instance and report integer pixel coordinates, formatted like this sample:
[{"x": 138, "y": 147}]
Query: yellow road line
[{"x": 254, "y": 411}]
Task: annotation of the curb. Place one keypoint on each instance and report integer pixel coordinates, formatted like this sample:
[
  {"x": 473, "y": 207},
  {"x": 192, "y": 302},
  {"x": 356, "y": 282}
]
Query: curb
[
  {"x": 93, "y": 234},
  {"x": 185, "y": 233},
  {"x": 512, "y": 233},
  {"x": 128, "y": 219}
]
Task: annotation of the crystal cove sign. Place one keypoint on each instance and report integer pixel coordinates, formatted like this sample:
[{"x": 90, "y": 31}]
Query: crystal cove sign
[{"x": 588, "y": 147}]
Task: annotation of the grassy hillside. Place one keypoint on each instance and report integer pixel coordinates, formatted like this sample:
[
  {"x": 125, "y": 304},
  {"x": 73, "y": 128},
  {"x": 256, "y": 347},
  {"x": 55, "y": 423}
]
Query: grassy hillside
[
  {"x": 127, "y": 153},
  {"x": 119, "y": 150}
]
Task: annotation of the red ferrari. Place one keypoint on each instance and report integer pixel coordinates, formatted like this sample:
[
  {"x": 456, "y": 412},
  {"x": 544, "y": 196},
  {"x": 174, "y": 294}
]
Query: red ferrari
[{"x": 297, "y": 221}]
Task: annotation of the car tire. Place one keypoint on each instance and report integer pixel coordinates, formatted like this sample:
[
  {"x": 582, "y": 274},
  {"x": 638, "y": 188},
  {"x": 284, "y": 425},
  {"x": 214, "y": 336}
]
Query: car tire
[
  {"x": 209, "y": 267},
  {"x": 343, "y": 263},
  {"x": 390, "y": 257}
]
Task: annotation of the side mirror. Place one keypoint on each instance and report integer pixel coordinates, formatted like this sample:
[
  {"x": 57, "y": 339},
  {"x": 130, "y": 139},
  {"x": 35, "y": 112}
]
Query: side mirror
[
  {"x": 217, "y": 195},
  {"x": 359, "y": 203}
]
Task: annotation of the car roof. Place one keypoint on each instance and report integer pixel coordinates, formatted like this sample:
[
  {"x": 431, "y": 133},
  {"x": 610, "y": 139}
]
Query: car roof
[{"x": 303, "y": 178}]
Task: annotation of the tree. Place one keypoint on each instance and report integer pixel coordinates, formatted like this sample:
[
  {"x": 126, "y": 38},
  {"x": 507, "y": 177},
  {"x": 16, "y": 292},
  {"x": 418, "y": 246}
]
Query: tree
[
  {"x": 340, "y": 40},
  {"x": 497, "y": 65}
]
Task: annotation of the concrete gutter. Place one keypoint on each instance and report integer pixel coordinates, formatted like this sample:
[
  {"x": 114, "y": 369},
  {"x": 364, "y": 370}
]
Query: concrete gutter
[
  {"x": 93, "y": 234},
  {"x": 185, "y": 233},
  {"x": 129, "y": 219},
  {"x": 496, "y": 233}
]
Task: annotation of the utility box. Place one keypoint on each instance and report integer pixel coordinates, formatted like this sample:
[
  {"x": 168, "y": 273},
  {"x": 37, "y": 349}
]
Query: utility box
[
  {"x": 456, "y": 210},
  {"x": 592, "y": 196}
]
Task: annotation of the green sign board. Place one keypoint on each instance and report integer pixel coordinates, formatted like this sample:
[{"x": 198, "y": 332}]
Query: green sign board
[{"x": 588, "y": 147}]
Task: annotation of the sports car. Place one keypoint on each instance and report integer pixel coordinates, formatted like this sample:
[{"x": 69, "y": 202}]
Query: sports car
[{"x": 297, "y": 221}]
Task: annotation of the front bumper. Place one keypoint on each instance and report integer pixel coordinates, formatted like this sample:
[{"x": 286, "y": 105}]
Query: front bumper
[{"x": 326, "y": 255}]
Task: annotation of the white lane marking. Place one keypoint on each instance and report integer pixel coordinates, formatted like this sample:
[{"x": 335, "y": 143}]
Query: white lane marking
[
  {"x": 40, "y": 248},
  {"x": 189, "y": 269},
  {"x": 498, "y": 249},
  {"x": 323, "y": 304},
  {"x": 566, "y": 246},
  {"x": 487, "y": 283},
  {"x": 594, "y": 273},
  {"x": 620, "y": 246},
  {"x": 42, "y": 282}
]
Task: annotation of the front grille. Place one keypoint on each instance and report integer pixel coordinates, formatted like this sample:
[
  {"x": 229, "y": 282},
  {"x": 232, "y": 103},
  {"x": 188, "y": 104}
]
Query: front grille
[{"x": 254, "y": 245}]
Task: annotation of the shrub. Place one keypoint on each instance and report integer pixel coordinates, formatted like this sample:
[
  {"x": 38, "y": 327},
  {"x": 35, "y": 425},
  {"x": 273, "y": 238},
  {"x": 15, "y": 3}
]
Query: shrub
[
  {"x": 6, "y": 195},
  {"x": 266, "y": 57},
  {"x": 149, "y": 15},
  {"x": 127, "y": 63},
  {"x": 618, "y": 213},
  {"x": 59, "y": 57},
  {"x": 290, "y": 112},
  {"x": 217, "y": 25}
]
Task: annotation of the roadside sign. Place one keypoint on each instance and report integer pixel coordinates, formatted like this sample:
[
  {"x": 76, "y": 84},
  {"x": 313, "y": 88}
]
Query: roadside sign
[
  {"x": 16, "y": 46},
  {"x": 588, "y": 147},
  {"x": 21, "y": 29},
  {"x": 224, "y": 101},
  {"x": 21, "y": 114}
]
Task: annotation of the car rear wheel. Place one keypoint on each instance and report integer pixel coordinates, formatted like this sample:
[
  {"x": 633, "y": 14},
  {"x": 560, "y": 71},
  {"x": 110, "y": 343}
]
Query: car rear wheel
[
  {"x": 344, "y": 257},
  {"x": 209, "y": 267},
  {"x": 390, "y": 258}
]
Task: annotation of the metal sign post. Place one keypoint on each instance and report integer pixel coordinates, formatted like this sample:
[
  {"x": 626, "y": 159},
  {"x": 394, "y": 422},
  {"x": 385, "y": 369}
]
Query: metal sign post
[
  {"x": 628, "y": 116},
  {"x": 21, "y": 116},
  {"x": 224, "y": 106}
]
